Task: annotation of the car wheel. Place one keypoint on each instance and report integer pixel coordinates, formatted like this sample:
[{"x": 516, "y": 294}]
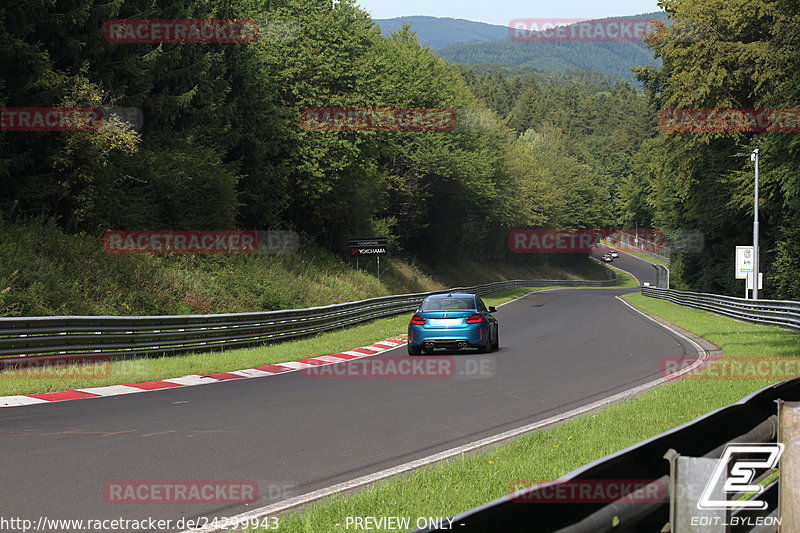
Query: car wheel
[
  {"x": 496, "y": 341},
  {"x": 483, "y": 348},
  {"x": 414, "y": 350}
]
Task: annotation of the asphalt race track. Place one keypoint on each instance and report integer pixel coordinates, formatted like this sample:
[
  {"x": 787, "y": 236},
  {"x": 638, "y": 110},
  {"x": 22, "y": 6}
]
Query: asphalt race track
[{"x": 295, "y": 433}]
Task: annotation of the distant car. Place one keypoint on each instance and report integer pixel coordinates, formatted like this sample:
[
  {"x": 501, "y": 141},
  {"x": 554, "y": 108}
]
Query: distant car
[
  {"x": 453, "y": 321},
  {"x": 607, "y": 258},
  {"x": 614, "y": 254}
]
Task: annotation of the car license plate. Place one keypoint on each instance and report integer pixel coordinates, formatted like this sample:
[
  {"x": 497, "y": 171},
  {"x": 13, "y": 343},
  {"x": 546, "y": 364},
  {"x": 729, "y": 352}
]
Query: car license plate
[{"x": 445, "y": 322}]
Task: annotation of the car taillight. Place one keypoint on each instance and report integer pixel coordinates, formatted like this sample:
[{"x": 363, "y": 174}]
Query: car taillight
[
  {"x": 417, "y": 320},
  {"x": 474, "y": 319}
]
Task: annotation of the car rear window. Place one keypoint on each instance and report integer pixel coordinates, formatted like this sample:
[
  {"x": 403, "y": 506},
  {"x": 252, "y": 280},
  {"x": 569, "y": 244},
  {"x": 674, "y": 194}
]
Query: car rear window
[{"x": 446, "y": 304}]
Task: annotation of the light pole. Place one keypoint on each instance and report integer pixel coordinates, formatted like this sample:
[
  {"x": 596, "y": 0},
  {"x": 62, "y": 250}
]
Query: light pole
[{"x": 756, "y": 262}]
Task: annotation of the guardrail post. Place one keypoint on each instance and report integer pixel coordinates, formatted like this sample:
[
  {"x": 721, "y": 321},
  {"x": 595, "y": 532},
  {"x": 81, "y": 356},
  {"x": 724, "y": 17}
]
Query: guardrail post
[
  {"x": 687, "y": 481},
  {"x": 789, "y": 486},
  {"x": 662, "y": 276}
]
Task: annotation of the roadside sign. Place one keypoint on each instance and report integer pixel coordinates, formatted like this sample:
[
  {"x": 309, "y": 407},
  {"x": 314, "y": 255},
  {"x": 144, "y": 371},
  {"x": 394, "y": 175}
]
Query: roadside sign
[
  {"x": 370, "y": 241},
  {"x": 744, "y": 261},
  {"x": 760, "y": 281},
  {"x": 369, "y": 246}
]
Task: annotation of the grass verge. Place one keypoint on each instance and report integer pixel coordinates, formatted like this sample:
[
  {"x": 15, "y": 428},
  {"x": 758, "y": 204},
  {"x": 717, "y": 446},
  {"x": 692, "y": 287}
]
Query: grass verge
[
  {"x": 626, "y": 281},
  {"x": 46, "y": 272},
  {"x": 138, "y": 370},
  {"x": 452, "y": 486}
]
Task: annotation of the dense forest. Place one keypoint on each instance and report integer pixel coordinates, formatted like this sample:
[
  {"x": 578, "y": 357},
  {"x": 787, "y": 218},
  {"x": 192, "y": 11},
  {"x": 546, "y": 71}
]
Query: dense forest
[
  {"x": 221, "y": 145},
  {"x": 748, "y": 57}
]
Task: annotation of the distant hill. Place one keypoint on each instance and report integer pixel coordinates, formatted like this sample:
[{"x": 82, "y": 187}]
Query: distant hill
[
  {"x": 463, "y": 41},
  {"x": 438, "y": 32}
]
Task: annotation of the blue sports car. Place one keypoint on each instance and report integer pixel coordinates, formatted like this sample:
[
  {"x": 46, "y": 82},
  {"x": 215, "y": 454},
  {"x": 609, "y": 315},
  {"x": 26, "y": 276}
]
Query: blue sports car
[{"x": 453, "y": 321}]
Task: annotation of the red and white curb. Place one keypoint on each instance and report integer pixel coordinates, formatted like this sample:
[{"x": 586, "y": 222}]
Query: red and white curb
[{"x": 203, "y": 379}]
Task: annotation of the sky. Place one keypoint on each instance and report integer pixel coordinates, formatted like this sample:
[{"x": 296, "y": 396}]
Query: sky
[{"x": 503, "y": 11}]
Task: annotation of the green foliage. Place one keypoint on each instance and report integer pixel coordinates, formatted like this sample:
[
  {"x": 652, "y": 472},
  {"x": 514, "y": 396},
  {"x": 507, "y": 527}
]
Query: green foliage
[
  {"x": 743, "y": 54},
  {"x": 222, "y": 147},
  {"x": 44, "y": 271}
]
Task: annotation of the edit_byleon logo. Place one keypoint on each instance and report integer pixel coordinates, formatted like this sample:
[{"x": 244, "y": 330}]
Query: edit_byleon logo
[{"x": 746, "y": 462}]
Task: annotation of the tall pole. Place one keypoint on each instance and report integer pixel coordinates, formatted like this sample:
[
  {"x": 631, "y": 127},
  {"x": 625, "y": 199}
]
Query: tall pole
[{"x": 756, "y": 262}]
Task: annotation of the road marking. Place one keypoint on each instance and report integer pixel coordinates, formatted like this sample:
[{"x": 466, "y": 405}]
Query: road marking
[
  {"x": 202, "y": 379},
  {"x": 71, "y": 432},
  {"x": 120, "y": 432},
  {"x": 64, "y": 395},
  {"x": 13, "y": 401},
  {"x": 331, "y": 358},
  {"x": 111, "y": 390},
  {"x": 190, "y": 380},
  {"x": 296, "y": 365},
  {"x": 159, "y": 433}
]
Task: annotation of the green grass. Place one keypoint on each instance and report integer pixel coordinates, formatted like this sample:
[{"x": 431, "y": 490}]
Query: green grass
[
  {"x": 46, "y": 272},
  {"x": 626, "y": 281},
  {"x": 138, "y": 370},
  {"x": 452, "y": 486},
  {"x": 500, "y": 297}
]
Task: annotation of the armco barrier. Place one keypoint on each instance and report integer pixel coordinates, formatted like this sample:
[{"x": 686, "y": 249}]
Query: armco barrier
[
  {"x": 783, "y": 313},
  {"x": 120, "y": 336},
  {"x": 766, "y": 416}
]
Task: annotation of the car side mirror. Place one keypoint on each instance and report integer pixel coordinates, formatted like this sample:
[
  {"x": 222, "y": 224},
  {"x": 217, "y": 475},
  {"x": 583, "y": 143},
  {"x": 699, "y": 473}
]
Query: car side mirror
[{"x": 492, "y": 309}]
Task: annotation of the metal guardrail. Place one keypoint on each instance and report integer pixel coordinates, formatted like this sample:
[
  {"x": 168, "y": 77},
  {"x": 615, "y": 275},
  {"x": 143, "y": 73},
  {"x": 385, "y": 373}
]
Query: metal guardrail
[
  {"x": 662, "y": 276},
  {"x": 624, "y": 241},
  {"x": 653, "y": 461},
  {"x": 783, "y": 313},
  {"x": 120, "y": 336}
]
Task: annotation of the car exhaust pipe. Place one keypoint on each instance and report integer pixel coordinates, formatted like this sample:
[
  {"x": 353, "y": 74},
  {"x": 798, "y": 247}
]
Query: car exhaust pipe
[
  {"x": 429, "y": 346},
  {"x": 462, "y": 344}
]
